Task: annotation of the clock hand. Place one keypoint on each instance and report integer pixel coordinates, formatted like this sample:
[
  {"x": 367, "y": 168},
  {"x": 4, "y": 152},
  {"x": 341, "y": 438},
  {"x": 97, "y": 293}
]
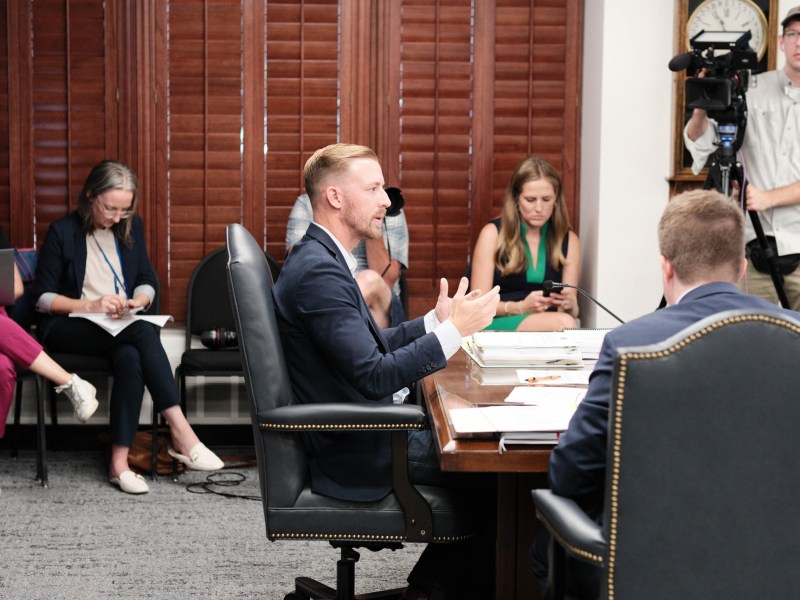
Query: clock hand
[{"x": 716, "y": 15}]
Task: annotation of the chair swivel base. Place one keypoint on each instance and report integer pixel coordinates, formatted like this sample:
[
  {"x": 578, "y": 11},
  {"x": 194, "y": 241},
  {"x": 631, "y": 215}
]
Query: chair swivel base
[{"x": 310, "y": 589}]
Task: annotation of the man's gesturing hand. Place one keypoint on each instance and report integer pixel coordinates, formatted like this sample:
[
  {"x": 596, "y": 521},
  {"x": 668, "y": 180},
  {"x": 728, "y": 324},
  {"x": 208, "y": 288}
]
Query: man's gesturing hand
[{"x": 468, "y": 312}]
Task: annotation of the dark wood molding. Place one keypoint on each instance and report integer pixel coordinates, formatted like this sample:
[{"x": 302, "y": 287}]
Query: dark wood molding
[{"x": 20, "y": 135}]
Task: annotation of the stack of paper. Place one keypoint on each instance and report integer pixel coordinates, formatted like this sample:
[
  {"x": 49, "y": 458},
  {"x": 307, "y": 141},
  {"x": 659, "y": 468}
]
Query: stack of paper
[
  {"x": 530, "y": 415},
  {"x": 523, "y": 349},
  {"x": 588, "y": 341}
]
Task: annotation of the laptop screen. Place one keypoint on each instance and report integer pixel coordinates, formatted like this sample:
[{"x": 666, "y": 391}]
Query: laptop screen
[{"x": 7, "y": 277}]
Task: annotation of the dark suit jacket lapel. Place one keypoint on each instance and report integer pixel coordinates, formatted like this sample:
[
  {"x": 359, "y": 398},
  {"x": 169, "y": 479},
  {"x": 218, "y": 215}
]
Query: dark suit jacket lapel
[
  {"x": 320, "y": 235},
  {"x": 79, "y": 256}
]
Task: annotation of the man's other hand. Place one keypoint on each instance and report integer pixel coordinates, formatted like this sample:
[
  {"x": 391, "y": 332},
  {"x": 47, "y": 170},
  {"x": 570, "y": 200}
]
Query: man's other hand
[{"x": 468, "y": 312}]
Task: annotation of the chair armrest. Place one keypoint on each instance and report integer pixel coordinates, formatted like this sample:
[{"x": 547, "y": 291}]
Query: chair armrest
[
  {"x": 358, "y": 416},
  {"x": 571, "y": 526}
]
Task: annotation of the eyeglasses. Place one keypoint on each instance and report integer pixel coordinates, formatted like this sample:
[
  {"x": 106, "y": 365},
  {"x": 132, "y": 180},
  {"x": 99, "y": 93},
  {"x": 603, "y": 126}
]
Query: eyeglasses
[
  {"x": 791, "y": 34},
  {"x": 122, "y": 213}
]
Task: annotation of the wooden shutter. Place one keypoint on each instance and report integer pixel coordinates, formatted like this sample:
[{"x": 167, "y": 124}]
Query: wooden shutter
[
  {"x": 5, "y": 194},
  {"x": 302, "y": 100},
  {"x": 436, "y": 137},
  {"x": 535, "y": 93},
  {"x": 72, "y": 123},
  {"x": 204, "y": 137},
  {"x": 482, "y": 86}
]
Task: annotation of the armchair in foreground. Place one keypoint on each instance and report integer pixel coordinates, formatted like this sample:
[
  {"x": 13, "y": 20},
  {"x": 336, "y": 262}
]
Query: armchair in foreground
[
  {"x": 703, "y": 471},
  {"x": 291, "y": 510}
]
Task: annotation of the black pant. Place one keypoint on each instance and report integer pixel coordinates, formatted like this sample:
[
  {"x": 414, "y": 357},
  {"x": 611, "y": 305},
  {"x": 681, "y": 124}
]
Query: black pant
[
  {"x": 137, "y": 358},
  {"x": 463, "y": 570}
]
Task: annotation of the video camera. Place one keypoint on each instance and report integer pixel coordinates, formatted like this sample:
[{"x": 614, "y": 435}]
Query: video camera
[{"x": 721, "y": 92}]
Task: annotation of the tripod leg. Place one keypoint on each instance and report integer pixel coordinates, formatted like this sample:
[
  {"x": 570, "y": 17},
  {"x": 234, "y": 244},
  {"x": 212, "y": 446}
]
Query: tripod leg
[
  {"x": 722, "y": 171},
  {"x": 767, "y": 251}
]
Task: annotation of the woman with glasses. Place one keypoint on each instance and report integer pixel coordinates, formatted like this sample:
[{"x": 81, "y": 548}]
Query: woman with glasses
[{"x": 95, "y": 260}]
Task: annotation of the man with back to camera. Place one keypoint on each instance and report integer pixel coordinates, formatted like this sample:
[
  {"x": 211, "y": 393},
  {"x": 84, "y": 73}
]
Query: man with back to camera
[
  {"x": 335, "y": 352},
  {"x": 379, "y": 261},
  {"x": 770, "y": 155},
  {"x": 701, "y": 240}
]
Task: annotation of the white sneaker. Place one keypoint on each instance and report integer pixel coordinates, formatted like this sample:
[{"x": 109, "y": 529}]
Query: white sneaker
[{"x": 82, "y": 395}]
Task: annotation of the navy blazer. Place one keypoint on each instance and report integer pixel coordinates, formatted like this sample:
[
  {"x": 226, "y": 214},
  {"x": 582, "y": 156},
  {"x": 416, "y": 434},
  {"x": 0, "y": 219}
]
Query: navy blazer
[
  {"x": 578, "y": 464},
  {"x": 336, "y": 353},
  {"x": 61, "y": 264}
]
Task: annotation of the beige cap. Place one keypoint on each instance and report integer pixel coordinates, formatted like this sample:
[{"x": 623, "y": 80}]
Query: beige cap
[{"x": 793, "y": 14}]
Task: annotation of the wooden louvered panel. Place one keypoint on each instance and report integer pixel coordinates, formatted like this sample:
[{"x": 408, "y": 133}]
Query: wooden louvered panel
[
  {"x": 205, "y": 80},
  {"x": 302, "y": 100},
  {"x": 5, "y": 192},
  {"x": 532, "y": 92},
  {"x": 70, "y": 116},
  {"x": 435, "y": 140}
]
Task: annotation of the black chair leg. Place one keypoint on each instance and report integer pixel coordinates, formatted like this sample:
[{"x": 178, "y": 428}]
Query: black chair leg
[
  {"x": 346, "y": 574},
  {"x": 17, "y": 418},
  {"x": 154, "y": 447},
  {"x": 41, "y": 444},
  {"x": 306, "y": 588},
  {"x": 556, "y": 576},
  {"x": 53, "y": 405}
]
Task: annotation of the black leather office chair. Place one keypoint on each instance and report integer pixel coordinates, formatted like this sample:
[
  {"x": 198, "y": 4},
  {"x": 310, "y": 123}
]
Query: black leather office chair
[
  {"x": 291, "y": 510},
  {"x": 703, "y": 475}
]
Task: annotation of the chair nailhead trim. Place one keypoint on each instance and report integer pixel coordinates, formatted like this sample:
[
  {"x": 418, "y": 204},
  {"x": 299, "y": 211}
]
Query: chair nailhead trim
[
  {"x": 619, "y": 404},
  {"x": 363, "y": 538},
  {"x": 318, "y": 427}
]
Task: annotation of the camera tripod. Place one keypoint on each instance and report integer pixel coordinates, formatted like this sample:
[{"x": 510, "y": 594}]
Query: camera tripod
[{"x": 723, "y": 170}]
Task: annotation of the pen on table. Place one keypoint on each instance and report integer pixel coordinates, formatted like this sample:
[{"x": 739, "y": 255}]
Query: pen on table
[{"x": 544, "y": 378}]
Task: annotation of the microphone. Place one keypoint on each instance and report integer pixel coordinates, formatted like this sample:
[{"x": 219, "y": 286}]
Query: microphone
[
  {"x": 679, "y": 62},
  {"x": 548, "y": 286}
]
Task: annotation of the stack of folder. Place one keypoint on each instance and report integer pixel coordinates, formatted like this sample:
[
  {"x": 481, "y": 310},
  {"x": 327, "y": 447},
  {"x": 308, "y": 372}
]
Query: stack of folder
[{"x": 526, "y": 349}]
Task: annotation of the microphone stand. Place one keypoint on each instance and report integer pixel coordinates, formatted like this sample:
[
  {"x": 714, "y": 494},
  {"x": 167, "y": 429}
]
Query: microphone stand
[{"x": 553, "y": 285}]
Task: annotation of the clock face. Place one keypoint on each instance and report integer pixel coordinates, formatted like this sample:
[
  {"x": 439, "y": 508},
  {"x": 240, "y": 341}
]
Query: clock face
[{"x": 731, "y": 15}]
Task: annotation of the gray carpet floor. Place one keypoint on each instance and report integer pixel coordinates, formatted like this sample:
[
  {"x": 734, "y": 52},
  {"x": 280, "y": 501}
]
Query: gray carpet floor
[{"x": 83, "y": 538}]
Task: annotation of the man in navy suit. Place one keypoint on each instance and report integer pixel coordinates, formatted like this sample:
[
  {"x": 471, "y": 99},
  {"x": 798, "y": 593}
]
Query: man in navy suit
[
  {"x": 701, "y": 240},
  {"x": 334, "y": 350}
]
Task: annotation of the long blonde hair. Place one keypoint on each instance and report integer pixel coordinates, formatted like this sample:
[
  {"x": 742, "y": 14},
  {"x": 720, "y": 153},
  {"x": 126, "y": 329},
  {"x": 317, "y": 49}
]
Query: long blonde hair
[{"x": 510, "y": 255}]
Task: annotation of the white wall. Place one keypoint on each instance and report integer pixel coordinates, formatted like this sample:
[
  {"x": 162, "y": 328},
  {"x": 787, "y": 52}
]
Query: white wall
[{"x": 626, "y": 152}]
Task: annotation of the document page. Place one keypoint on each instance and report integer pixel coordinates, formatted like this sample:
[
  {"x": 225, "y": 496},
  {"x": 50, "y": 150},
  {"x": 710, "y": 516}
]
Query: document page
[{"x": 114, "y": 326}]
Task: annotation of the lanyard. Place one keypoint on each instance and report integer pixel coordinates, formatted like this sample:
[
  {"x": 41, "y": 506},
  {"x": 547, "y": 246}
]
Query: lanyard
[{"x": 117, "y": 280}]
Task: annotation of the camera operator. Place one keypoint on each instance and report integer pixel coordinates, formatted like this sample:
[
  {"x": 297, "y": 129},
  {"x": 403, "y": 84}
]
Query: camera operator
[{"x": 770, "y": 155}]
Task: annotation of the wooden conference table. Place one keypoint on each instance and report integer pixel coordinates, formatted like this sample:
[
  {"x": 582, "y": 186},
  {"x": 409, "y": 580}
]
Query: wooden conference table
[{"x": 519, "y": 470}]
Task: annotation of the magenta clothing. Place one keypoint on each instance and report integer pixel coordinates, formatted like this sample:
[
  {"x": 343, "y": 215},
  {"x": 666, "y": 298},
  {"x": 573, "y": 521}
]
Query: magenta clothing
[{"x": 17, "y": 349}]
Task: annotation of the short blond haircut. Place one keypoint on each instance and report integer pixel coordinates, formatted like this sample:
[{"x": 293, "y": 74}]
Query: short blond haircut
[
  {"x": 333, "y": 159},
  {"x": 701, "y": 233}
]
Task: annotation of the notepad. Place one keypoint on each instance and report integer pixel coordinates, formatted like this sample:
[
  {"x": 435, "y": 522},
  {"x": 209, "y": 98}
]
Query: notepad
[
  {"x": 114, "y": 326},
  {"x": 494, "y": 421}
]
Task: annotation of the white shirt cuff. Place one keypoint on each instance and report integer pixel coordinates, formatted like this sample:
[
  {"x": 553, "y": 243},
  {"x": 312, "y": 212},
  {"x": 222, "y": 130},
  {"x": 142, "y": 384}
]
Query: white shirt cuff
[{"x": 449, "y": 338}]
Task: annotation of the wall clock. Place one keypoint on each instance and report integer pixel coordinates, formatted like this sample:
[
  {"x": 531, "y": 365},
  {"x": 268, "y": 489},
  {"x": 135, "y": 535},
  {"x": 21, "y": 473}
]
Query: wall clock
[
  {"x": 760, "y": 17},
  {"x": 730, "y": 15}
]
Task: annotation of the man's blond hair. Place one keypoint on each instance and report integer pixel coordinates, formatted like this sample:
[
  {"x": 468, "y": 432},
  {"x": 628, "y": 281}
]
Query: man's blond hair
[
  {"x": 701, "y": 233},
  {"x": 332, "y": 159}
]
